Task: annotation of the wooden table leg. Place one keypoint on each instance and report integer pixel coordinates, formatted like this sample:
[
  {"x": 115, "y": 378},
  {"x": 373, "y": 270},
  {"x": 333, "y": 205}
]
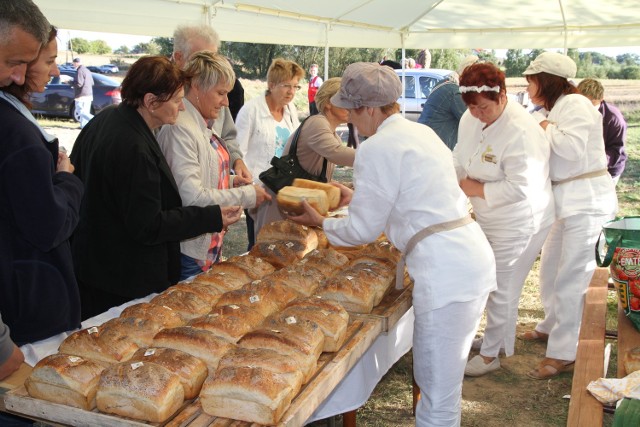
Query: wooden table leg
[
  {"x": 416, "y": 395},
  {"x": 349, "y": 419}
]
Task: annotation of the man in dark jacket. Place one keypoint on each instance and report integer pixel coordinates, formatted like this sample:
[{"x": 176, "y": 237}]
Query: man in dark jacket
[{"x": 83, "y": 98}]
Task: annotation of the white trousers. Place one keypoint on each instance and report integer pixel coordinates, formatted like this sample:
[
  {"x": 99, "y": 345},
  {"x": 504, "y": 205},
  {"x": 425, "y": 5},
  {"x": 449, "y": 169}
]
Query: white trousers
[
  {"x": 567, "y": 264},
  {"x": 441, "y": 343},
  {"x": 514, "y": 258},
  {"x": 83, "y": 109}
]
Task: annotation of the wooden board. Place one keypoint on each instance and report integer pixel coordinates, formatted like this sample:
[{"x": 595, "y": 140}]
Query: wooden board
[
  {"x": 331, "y": 369},
  {"x": 584, "y": 409},
  {"x": 14, "y": 380}
]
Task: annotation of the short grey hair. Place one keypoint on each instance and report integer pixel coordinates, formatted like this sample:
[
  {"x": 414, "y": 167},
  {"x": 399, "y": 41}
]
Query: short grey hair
[
  {"x": 207, "y": 69},
  {"x": 25, "y": 15},
  {"x": 184, "y": 34}
]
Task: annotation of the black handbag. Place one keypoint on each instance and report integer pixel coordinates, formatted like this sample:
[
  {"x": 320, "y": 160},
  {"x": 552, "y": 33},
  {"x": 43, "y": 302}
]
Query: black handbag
[{"x": 285, "y": 169}]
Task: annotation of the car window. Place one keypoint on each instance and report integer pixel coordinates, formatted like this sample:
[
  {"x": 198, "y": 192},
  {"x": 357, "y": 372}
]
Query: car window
[
  {"x": 409, "y": 87},
  {"x": 65, "y": 79},
  {"x": 101, "y": 80},
  {"x": 426, "y": 85}
]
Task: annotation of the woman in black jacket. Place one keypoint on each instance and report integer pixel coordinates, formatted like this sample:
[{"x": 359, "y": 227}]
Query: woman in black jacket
[{"x": 127, "y": 244}]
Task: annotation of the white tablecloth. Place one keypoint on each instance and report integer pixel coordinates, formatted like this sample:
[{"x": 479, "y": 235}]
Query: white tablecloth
[{"x": 351, "y": 393}]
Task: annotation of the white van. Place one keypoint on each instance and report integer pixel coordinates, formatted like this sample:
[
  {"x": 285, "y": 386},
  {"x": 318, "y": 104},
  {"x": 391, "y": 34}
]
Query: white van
[{"x": 418, "y": 84}]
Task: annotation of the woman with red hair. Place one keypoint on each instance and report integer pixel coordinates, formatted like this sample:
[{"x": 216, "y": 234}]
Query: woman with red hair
[{"x": 502, "y": 163}]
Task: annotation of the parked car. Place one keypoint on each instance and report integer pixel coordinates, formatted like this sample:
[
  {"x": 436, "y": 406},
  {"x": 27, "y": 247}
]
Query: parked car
[
  {"x": 418, "y": 84},
  {"x": 94, "y": 69},
  {"x": 108, "y": 69},
  {"x": 57, "y": 98}
]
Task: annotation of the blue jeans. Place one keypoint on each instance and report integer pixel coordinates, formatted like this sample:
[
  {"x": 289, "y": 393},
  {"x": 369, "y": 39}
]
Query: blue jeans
[{"x": 189, "y": 267}]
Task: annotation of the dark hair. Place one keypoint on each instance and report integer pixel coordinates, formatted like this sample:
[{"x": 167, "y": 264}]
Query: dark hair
[
  {"x": 152, "y": 74},
  {"x": 551, "y": 87},
  {"x": 25, "y": 15},
  {"x": 481, "y": 74},
  {"x": 393, "y": 64},
  {"x": 22, "y": 91}
]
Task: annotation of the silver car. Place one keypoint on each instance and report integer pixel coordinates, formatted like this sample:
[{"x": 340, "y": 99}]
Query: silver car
[{"x": 418, "y": 84}]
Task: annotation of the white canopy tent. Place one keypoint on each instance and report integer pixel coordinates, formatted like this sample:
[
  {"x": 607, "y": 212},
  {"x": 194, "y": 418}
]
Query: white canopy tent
[{"x": 369, "y": 23}]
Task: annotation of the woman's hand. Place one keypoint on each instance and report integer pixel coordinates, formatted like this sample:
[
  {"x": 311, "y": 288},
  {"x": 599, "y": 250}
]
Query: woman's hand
[
  {"x": 242, "y": 171},
  {"x": 230, "y": 215},
  {"x": 64, "y": 164},
  {"x": 310, "y": 216},
  {"x": 261, "y": 194},
  {"x": 472, "y": 188},
  {"x": 12, "y": 364},
  {"x": 345, "y": 194}
]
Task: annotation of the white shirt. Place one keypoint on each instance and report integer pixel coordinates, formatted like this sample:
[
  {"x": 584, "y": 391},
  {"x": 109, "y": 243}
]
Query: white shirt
[
  {"x": 405, "y": 182},
  {"x": 194, "y": 164},
  {"x": 577, "y": 147},
  {"x": 511, "y": 158},
  {"x": 257, "y": 133}
]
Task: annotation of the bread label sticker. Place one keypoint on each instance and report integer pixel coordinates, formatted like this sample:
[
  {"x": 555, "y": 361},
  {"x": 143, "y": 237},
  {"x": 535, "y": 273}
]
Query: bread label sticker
[
  {"x": 234, "y": 307},
  {"x": 349, "y": 278},
  {"x": 136, "y": 365},
  {"x": 304, "y": 227},
  {"x": 291, "y": 320},
  {"x": 93, "y": 330},
  {"x": 276, "y": 331},
  {"x": 326, "y": 313},
  {"x": 150, "y": 352},
  {"x": 304, "y": 261},
  {"x": 271, "y": 247},
  {"x": 258, "y": 260},
  {"x": 222, "y": 273},
  {"x": 367, "y": 269},
  {"x": 168, "y": 307},
  {"x": 214, "y": 315},
  {"x": 289, "y": 244},
  {"x": 254, "y": 298},
  {"x": 384, "y": 243},
  {"x": 75, "y": 359}
]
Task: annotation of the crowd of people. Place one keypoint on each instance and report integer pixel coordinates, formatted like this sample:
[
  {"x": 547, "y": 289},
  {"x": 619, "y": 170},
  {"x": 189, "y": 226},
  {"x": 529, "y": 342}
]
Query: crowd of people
[{"x": 145, "y": 197}]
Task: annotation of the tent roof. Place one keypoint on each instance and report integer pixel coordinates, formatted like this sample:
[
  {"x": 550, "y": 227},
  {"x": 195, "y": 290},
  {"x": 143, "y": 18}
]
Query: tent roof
[{"x": 507, "y": 24}]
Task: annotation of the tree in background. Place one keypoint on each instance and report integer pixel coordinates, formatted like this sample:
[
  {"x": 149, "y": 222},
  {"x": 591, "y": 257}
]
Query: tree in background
[
  {"x": 165, "y": 44},
  {"x": 122, "y": 50},
  {"x": 147, "y": 48},
  {"x": 79, "y": 45},
  {"x": 515, "y": 63},
  {"x": 100, "y": 47}
]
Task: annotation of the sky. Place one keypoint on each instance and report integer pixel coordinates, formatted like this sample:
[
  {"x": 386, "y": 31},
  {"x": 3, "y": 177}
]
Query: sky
[{"x": 116, "y": 40}]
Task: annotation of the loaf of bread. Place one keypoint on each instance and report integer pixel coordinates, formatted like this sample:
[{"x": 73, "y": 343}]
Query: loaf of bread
[
  {"x": 376, "y": 273},
  {"x": 187, "y": 304},
  {"x": 224, "y": 281},
  {"x": 289, "y": 231},
  {"x": 302, "y": 279},
  {"x": 204, "y": 291},
  {"x": 200, "y": 343},
  {"x": 290, "y": 200},
  {"x": 330, "y": 316},
  {"x": 381, "y": 249},
  {"x": 239, "y": 269},
  {"x": 323, "y": 241},
  {"x": 353, "y": 294},
  {"x": 138, "y": 331},
  {"x": 632, "y": 360},
  {"x": 333, "y": 192},
  {"x": 87, "y": 343},
  {"x": 258, "y": 266},
  {"x": 295, "y": 325},
  {"x": 158, "y": 313},
  {"x": 274, "y": 291},
  {"x": 139, "y": 390},
  {"x": 280, "y": 253},
  {"x": 64, "y": 379},
  {"x": 255, "y": 395},
  {"x": 254, "y": 299},
  {"x": 327, "y": 261},
  {"x": 266, "y": 359},
  {"x": 229, "y": 321},
  {"x": 191, "y": 370}
]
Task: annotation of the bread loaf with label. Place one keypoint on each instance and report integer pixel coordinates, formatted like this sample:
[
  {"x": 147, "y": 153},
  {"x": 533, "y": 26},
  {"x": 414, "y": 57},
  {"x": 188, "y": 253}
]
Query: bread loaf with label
[
  {"x": 139, "y": 390},
  {"x": 68, "y": 380},
  {"x": 245, "y": 393},
  {"x": 378, "y": 273},
  {"x": 328, "y": 261},
  {"x": 257, "y": 266},
  {"x": 229, "y": 321},
  {"x": 252, "y": 298},
  {"x": 191, "y": 370},
  {"x": 290, "y": 200},
  {"x": 224, "y": 281},
  {"x": 204, "y": 291},
  {"x": 281, "y": 253},
  {"x": 158, "y": 313},
  {"x": 87, "y": 343},
  {"x": 200, "y": 343},
  {"x": 333, "y": 192},
  {"x": 289, "y": 231},
  {"x": 187, "y": 304},
  {"x": 304, "y": 280},
  {"x": 353, "y": 294},
  {"x": 329, "y": 315}
]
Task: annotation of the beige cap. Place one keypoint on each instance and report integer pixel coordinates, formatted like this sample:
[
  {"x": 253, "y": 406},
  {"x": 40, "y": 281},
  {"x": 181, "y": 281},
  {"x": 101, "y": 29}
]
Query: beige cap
[
  {"x": 553, "y": 63},
  {"x": 467, "y": 61},
  {"x": 367, "y": 84}
]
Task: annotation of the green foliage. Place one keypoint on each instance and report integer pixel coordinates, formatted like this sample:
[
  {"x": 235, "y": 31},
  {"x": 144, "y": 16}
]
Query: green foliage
[
  {"x": 122, "y": 50},
  {"x": 165, "y": 44},
  {"x": 100, "y": 47},
  {"x": 515, "y": 63},
  {"x": 79, "y": 45},
  {"x": 150, "y": 48}
]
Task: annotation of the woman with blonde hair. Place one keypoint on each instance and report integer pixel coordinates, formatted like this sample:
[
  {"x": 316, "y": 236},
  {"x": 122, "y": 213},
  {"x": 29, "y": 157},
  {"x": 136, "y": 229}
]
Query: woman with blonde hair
[
  {"x": 318, "y": 142},
  {"x": 266, "y": 122},
  {"x": 199, "y": 159}
]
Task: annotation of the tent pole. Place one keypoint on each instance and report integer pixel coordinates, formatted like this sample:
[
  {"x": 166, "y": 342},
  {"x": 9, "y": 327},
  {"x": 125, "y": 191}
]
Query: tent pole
[
  {"x": 326, "y": 52},
  {"x": 404, "y": 104}
]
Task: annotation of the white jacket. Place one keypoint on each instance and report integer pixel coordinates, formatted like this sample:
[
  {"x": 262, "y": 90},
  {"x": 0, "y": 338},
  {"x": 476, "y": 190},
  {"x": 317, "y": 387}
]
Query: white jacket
[
  {"x": 405, "y": 181},
  {"x": 577, "y": 147},
  {"x": 257, "y": 133},
  {"x": 511, "y": 158},
  {"x": 194, "y": 164}
]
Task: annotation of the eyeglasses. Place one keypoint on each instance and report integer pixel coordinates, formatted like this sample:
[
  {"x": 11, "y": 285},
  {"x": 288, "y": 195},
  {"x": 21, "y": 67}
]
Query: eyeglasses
[{"x": 290, "y": 87}]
